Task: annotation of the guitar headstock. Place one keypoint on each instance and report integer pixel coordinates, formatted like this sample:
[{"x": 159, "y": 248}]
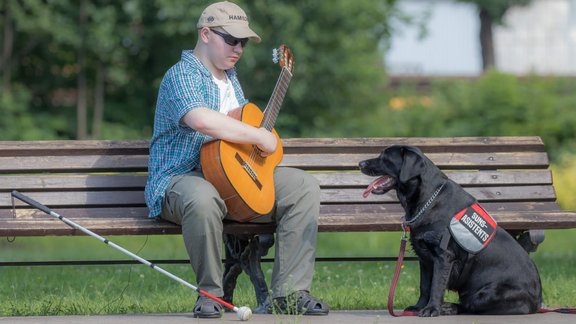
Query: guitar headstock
[{"x": 283, "y": 56}]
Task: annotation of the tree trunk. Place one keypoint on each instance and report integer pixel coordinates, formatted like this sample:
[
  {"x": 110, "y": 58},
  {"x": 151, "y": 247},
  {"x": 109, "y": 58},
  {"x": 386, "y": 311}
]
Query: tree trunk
[
  {"x": 81, "y": 104},
  {"x": 486, "y": 40},
  {"x": 7, "y": 48},
  {"x": 99, "y": 94}
]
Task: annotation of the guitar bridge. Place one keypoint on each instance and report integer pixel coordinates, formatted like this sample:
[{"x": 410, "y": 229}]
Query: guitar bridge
[{"x": 249, "y": 170}]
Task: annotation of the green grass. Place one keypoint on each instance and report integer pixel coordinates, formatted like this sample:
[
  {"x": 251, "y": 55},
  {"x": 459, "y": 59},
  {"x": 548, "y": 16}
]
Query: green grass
[{"x": 65, "y": 290}]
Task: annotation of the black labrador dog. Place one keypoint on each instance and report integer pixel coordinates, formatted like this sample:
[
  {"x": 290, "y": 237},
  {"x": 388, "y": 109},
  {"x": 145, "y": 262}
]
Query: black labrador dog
[{"x": 497, "y": 277}]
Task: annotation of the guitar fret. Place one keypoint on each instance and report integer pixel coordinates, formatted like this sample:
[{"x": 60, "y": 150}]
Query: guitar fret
[{"x": 274, "y": 104}]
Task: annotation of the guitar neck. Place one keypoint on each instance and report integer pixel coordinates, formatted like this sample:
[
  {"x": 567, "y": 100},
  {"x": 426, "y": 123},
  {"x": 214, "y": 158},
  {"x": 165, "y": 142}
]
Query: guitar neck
[{"x": 275, "y": 102}]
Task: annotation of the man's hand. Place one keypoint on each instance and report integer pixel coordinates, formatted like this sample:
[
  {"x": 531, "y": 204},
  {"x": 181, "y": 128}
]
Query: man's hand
[{"x": 268, "y": 143}]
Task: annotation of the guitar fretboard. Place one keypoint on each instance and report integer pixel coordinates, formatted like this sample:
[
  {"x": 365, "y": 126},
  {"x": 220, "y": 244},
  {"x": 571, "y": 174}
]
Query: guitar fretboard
[{"x": 275, "y": 102}]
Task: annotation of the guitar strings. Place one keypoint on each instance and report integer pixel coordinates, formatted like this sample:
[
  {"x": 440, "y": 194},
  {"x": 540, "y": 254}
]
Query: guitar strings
[{"x": 276, "y": 101}]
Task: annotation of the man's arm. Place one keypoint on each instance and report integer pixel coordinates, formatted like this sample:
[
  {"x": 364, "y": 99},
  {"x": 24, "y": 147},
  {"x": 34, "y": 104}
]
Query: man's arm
[{"x": 220, "y": 126}]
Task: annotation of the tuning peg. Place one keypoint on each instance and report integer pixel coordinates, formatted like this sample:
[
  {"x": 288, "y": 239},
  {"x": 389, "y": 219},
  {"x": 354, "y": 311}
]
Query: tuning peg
[{"x": 275, "y": 55}]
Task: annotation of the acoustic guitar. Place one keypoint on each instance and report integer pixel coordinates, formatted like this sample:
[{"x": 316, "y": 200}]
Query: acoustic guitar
[{"x": 243, "y": 178}]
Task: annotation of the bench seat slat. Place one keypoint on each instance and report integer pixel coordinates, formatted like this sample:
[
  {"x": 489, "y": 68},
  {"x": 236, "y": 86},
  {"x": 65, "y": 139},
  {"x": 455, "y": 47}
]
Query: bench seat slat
[
  {"x": 391, "y": 222},
  {"x": 327, "y": 223},
  {"x": 120, "y": 226},
  {"x": 79, "y": 213},
  {"x": 112, "y": 213}
]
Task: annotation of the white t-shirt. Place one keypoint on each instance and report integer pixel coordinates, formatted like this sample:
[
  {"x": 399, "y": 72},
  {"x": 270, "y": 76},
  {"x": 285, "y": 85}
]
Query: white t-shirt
[{"x": 228, "y": 99}]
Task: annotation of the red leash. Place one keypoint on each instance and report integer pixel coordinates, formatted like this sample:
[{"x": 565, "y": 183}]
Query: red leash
[
  {"x": 558, "y": 310},
  {"x": 397, "y": 275}
]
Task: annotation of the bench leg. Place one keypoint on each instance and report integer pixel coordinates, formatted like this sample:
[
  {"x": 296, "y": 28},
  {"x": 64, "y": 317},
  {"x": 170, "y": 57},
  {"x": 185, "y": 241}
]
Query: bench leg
[{"x": 243, "y": 253}]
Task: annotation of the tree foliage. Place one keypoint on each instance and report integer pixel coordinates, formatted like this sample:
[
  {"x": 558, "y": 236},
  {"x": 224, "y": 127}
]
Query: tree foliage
[
  {"x": 339, "y": 86},
  {"x": 497, "y": 8},
  {"x": 495, "y": 104},
  {"x": 490, "y": 13},
  {"x": 91, "y": 69}
]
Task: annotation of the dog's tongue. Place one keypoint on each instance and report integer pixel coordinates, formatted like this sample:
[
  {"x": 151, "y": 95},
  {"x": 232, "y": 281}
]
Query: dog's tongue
[{"x": 378, "y": 183}]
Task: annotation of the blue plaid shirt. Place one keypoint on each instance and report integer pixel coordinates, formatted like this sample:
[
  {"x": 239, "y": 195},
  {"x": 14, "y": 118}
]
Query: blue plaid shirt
[{"x": 175, "y": 147}]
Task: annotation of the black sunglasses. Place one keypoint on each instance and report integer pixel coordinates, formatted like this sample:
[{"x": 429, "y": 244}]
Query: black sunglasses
[{"x": 231, "y": 40}]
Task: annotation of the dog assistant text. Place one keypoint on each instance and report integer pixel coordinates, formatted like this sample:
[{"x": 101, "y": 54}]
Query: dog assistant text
[
  {"x": 473, "y": 228},
  {"x": 477, "y": 225}
]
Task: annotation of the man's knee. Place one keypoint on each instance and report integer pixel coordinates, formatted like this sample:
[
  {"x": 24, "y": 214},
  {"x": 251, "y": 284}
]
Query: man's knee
[
  {"x": 308, "y": 187},
  {"x": 202, "y": 210},
  {"x": 311, "y": 184},
  {"x": 194, "y": 199},
  {"x": 299, "y": 180}
]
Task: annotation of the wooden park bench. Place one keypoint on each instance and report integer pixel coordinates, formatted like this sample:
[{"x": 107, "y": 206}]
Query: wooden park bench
[{"x": 99, "y": 185}]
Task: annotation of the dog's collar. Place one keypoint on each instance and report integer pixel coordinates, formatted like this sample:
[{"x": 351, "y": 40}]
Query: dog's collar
[{"x": 426, "y": 206}]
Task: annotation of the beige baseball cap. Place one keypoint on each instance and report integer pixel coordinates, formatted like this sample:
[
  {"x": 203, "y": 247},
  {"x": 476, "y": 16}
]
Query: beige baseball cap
[{"x": 229, "y": 17}]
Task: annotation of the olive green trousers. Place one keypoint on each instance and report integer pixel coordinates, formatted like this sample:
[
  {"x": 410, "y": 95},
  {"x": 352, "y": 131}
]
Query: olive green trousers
[{"x": 192, "y": 202}]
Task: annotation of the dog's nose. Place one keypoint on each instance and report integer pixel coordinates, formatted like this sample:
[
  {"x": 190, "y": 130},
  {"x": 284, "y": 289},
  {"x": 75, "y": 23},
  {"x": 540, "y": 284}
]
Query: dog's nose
[{"x": 361, "y": 164}]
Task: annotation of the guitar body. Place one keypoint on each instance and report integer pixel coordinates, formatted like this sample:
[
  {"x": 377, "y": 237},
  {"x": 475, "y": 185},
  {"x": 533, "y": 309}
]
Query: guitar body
[{"x": 243, "y": 178}]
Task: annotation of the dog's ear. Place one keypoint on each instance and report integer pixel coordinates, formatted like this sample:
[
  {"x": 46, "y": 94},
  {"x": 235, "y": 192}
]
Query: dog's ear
[
  {"x": 392, "y": 159},
  {"x": 413, "y": 164}
]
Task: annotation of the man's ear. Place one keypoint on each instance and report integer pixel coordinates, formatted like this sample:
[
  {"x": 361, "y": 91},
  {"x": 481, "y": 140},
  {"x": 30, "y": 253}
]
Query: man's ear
[
  {"x": 203, "y": 34},
  {"x": 412, "y": 164}
]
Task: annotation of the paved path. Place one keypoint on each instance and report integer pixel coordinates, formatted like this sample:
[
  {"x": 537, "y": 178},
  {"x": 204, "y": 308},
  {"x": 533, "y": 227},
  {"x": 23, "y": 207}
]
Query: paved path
[{"x": 351, "y": 317}]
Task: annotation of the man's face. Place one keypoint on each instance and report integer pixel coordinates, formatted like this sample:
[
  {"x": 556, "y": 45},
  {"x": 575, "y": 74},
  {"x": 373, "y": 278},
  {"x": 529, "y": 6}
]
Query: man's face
[{"x": 224, "y": 55}]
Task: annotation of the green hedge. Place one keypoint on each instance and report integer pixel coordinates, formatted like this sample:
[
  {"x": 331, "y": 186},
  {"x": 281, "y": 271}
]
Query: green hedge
[{"x": 495, "y": 104}]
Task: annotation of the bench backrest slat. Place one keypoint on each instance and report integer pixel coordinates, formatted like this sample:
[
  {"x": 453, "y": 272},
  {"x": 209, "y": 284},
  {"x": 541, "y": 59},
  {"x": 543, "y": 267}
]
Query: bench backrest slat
[
  {"x": 139, "y": 163},
  {"x": 427, "y": 145},
  {"x": 291, "y": 145},
  {"x": 328, "y": 196},
  {"x": 342, "y": 179}
]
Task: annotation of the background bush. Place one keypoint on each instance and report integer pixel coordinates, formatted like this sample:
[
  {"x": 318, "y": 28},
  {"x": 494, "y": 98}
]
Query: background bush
[{"x": 495, "y": 104}]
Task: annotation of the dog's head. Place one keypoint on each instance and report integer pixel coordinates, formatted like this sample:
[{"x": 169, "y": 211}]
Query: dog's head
[{"x": 399, "y": 167}]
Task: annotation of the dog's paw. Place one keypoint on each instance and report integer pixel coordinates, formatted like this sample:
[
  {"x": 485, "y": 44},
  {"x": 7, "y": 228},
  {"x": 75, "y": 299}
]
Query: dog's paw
[
  {"x": 450, "y": 309},
  {"x": 429, "y": 311}
]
